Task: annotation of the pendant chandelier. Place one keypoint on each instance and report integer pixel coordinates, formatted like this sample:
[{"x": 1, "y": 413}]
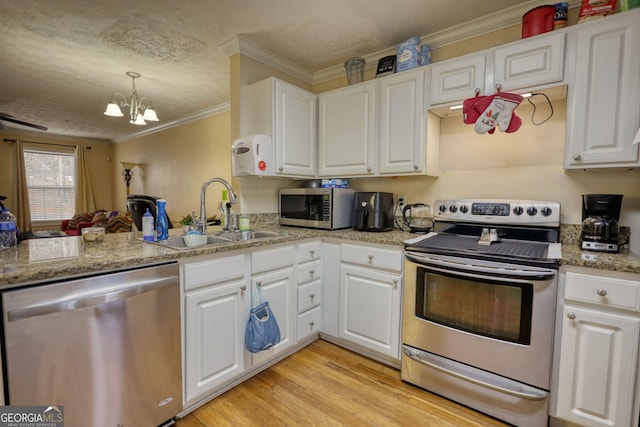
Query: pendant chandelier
[{"x": 140, "y": 108}]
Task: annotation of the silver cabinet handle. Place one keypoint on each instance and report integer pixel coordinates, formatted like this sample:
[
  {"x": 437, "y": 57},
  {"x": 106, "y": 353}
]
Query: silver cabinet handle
[
  {"x": 368, "y": 169},
  {"x": 280, "y": 168},
  {"x": 370, "y": 259},
  {"x": 258, "y": 283},
  {"x": 395, "y": 283},
  {"x": 312, "y": 272},
  {"x": 311, "y": 324},
  {"x": 312, "y": 296},
  {"x": 602, "y": 292},
  {"x": 312, "y": 252},
  {"x": 577, "y": 157},
  {"x": 243, "y": 288},
  {"x": 571, "y": 316},
  {"x": 415, "y": 167}
]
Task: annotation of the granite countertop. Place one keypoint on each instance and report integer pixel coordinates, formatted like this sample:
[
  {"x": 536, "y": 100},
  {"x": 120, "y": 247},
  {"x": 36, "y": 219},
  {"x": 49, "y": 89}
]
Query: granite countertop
[{"x": 46, "y": 259}]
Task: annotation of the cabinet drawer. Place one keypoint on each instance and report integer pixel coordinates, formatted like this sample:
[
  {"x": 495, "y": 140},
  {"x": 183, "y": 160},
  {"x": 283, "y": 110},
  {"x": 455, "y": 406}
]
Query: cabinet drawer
[
  {"x": 309, "y": 271},
  {"x": 308, "y": 251},
  {"x": 309, "y": 323},
  {"x": 605, "y": 291},
  {"x": 387, "y": 259},
  {"x": 213, "y": 271},
  {"x": 309, "y": 295},
  {"x": 271, "y": 259}
]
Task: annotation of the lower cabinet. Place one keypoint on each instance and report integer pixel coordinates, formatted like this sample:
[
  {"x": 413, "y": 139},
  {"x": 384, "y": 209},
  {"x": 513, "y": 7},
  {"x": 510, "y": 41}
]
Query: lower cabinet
[
  {"x": 216, "y": 307},
  {"x": 370, "y": 298},
  {"x": 596, "y": 373},
  {"x": 309, "y": 288},
  {"x": 272, "y": 270}
]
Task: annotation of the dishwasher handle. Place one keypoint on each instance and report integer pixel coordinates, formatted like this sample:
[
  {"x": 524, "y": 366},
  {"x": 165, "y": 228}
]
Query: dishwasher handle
[{"x": 135, "y": 288}]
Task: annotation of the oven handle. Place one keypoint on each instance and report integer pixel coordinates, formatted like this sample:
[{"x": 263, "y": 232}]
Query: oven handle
[
  {"x": 465, "y": 269},
  {"x": 529, "y": 394}
]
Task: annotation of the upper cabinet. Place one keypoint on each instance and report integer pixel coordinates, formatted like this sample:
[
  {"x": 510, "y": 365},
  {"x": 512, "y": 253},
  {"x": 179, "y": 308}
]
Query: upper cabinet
[
  {"x": 378, "y": 128},
  {"x": 530, "y": 63},
  {"x": 288, "y": 114},
  {"x": 603, "y": 108},
  {"x": 347, "y": 130}
]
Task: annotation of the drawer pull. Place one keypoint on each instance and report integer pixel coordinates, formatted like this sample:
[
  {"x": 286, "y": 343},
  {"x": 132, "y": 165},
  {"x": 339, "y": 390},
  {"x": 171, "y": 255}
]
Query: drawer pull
[
  {"x": 395, "y": 283},
  {"x": 602, "y": 292},
  {"x": 243, "y": 288},
  {"x": 312, "y": 296},
  {"x": 312, "y": 272},
  {"x": 312, "y": 252},
  {"x": 370, "y": 259},
  {"x": 571, "y": 316},
  {"x": 258, "y": 283},
  {"x": 311, "y": 324}
]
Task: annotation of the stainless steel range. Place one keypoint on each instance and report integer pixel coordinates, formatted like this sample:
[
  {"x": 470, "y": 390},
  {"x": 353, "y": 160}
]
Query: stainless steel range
[{"x": 479, "y": 306}]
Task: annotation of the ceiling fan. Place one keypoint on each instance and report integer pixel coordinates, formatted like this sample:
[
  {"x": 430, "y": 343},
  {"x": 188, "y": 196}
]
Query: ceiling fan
[{"x": 9, "y": 118}]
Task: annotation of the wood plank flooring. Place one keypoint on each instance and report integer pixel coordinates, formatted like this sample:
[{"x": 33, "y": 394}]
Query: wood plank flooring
[{"x": 326, "y": 385}]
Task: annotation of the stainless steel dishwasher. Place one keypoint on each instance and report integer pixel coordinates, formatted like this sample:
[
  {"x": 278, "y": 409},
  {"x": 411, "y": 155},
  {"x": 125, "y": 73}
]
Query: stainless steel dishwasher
[{"x": 107, "y": 348}]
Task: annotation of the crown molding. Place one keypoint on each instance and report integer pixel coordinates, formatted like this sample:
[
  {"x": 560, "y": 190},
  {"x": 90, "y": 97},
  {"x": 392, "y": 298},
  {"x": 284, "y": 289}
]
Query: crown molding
[
  {"x": 241, "y": 44},
  {"x": 207, "y": 112},
  {"x": 480, "y": 26}
]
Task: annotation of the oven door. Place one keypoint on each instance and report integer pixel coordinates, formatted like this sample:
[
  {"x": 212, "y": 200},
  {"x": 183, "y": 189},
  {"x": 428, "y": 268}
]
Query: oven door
[{"x": 497, "y": 317}]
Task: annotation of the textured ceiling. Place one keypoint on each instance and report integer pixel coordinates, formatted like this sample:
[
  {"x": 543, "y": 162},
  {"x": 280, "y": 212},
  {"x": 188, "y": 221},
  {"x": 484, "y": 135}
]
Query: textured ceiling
[{"x": 61, "y": 60}]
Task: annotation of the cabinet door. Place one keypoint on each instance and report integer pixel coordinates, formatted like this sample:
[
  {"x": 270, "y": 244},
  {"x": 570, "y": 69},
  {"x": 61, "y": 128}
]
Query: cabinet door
[
  {"x": 529, "y": 63},
  {"x": 215, "y": 319},
  {"x": 370, "y": 309},
  {"x": 280, "y": 290},
  {"x": 597, "y": 367},
  {"x": 346, "y": 131},
  {"x": 402, "y": 112},
  {"x": 457, "y": 79},
  {"x": 603, "y": 106},
  {"x": 295, "y": 131}
]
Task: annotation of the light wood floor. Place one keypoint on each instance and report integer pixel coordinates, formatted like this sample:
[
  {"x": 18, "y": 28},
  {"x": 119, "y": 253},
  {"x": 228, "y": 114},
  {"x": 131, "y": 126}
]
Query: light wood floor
[{"x": 326, "y": 385}]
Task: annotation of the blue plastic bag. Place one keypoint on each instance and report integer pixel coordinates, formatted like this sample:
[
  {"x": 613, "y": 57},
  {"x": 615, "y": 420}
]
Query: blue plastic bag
[{"x": 262, "y": 331}]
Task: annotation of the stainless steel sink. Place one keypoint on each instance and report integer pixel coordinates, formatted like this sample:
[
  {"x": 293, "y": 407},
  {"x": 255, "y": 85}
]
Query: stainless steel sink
[
  {"x": 246, "y": 235},
  {"x": 222, "y": 237}
]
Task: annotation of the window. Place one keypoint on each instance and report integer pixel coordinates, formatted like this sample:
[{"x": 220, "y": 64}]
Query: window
[{"x": 51, "y": 183}]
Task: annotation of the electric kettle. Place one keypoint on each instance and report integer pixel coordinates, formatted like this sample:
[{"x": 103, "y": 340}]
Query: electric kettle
[{"x": 417, "y": 217}]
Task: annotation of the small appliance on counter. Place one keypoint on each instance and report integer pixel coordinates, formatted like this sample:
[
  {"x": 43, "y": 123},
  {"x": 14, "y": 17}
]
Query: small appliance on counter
[
  {"x": 417, "y": 217},
  {"x": 373, "y": 211},
  {"x": 324, "y": 208},
  {"x": 600, "y": 216}
]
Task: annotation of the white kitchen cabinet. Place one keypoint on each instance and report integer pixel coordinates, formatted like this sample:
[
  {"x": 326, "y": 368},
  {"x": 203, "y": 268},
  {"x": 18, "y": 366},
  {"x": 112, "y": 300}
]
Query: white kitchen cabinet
[
  {"x": 309, "y": 288},
  {"x": 596, "y": 372},
  {"x": 273, "y": 271},
  {"x": 524, "y": 64},
  {"x": 402, "y": 137},
  {"x": 347, "y": 131},
  {"x": 288, "y": 114},
  {"x": 370, "y": 298},
  {"x": 216, "y": 309},
  {"x": 603, "y": 107}
]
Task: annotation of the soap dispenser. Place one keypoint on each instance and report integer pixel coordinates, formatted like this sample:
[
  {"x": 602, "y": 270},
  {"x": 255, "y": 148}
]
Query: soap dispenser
[{"x": 147, "y": 227}]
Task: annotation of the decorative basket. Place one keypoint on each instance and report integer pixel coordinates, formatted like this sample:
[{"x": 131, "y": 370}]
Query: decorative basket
[{"x": 194, "y": 239}]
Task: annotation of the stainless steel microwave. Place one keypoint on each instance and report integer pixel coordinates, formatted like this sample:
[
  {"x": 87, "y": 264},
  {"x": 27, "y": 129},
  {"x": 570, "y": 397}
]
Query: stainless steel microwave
[{"x": 326, "y": 208}]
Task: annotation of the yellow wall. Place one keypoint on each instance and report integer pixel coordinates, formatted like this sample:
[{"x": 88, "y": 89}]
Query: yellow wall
[{"x": 174, "y": 163}]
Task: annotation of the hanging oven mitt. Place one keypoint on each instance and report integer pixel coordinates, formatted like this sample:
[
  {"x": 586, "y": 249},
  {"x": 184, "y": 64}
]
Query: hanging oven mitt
[
  {"x": 498, "y": 112},
  {"x": 470, "y": 110}
]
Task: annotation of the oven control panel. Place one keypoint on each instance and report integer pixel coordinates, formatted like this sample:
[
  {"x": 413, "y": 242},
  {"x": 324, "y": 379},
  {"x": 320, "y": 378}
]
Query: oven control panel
[{"x": 499, "y": 211}]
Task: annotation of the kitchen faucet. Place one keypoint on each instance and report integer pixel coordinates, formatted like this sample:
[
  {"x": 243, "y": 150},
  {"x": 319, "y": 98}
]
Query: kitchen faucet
[{"x": 203, "y": 208}]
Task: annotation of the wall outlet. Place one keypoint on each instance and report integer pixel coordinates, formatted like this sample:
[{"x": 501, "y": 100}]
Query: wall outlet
[{"x": 402, "y": 201}]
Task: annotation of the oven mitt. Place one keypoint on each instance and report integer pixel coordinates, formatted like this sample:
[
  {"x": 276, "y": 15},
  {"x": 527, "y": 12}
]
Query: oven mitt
[
  {"x": 470, "y": 109},
  {"x": 498, "y": 112}
]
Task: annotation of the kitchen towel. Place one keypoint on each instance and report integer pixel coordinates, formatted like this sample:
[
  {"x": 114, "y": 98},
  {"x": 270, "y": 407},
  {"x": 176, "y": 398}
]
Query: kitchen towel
[{"x": 262, "y": 331}]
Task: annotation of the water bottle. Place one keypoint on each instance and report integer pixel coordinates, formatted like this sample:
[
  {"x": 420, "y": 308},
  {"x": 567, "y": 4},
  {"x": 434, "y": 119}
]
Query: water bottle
[
  {"x": 162, "y": 224},
  {"x": 8, "y": 230},
  {"x": 147, "y": 226}
]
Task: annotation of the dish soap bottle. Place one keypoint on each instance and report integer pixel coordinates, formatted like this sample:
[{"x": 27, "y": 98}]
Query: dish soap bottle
[
  {"x": 245, "y": 224},
  {"x": 8, "y": 229},
  {"x": 162, "y": 224},
  {"x": 147, "y": 226}
]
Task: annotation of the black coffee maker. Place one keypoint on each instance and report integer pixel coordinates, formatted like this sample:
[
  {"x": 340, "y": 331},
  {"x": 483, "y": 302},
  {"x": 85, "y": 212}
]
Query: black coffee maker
[{"x": 600, "y": 216}]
